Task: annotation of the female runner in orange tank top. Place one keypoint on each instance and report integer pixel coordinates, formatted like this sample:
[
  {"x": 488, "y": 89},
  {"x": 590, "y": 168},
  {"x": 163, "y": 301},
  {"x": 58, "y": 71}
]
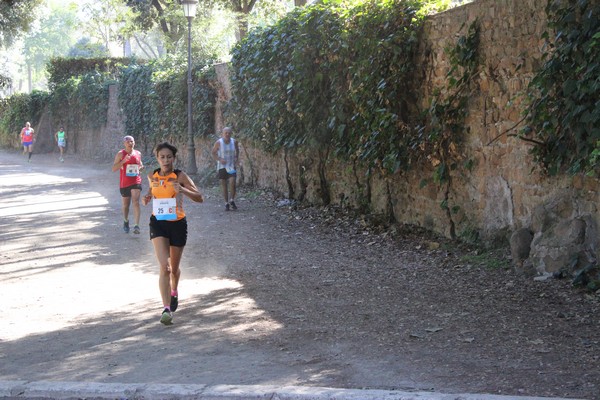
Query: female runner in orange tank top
[{"x": 168, "y": 225}]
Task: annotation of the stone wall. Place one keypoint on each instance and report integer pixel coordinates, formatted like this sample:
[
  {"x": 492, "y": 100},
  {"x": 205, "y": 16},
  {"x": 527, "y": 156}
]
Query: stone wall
[{"x": 502, "y": 191}]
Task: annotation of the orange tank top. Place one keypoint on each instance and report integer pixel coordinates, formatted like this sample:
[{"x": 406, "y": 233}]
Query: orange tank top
[{"x": 162, "y": 188}]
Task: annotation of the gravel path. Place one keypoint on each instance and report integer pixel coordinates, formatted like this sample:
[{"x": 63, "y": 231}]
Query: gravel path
[{"x": 271, "y": 295}]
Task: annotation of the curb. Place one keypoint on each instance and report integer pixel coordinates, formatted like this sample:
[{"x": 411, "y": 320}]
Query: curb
[{"x": 45, "y": 390}]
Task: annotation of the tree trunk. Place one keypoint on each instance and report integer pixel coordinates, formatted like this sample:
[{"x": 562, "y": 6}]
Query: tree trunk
[
  {"x": 29, "y": 77},
  {"x": 242, "y": 26},
  {"x": 242, "y": 8}
]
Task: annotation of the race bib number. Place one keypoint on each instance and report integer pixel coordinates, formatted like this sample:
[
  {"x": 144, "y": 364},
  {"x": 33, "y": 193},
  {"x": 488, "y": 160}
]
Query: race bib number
[
  {"x": 132, "y": 170},
  {"x": 164, "y": 209}
]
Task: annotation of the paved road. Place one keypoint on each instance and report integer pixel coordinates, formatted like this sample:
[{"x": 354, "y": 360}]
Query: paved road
[{"x": 81, "y": 302}]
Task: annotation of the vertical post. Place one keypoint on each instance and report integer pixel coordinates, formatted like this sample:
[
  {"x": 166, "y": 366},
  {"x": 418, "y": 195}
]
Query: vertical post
[{"x": 191, "y": 167}]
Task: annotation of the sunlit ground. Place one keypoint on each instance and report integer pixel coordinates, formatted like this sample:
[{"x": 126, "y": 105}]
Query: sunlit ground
[{"x": 58, "y": 265}]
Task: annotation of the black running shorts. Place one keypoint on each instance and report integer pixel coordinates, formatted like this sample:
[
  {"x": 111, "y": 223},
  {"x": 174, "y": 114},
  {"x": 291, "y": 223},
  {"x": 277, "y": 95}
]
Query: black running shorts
[
  {"x": 175, "y": 231},
  {"x": 126, "y": 191},
  {"x": 223, "y": 174}
]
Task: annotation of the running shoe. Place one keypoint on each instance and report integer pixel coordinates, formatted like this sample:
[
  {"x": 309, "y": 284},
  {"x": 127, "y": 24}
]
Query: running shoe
[
  {"x": 136, "y": 231},
  {"x": 126, "y": 226},
  {"x": 227, "y": 207},
  {"x": 174, "y": 303},
  {"x": 166, "y": 318},
  {"x": 233, "y": 206}
]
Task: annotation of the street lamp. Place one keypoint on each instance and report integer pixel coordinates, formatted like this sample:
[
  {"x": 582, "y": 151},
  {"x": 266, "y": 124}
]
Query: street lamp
[{"x": 189, "y": 10}]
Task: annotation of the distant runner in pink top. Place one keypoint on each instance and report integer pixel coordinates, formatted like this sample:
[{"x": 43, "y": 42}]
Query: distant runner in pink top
[{"x": 27, "y": 139}]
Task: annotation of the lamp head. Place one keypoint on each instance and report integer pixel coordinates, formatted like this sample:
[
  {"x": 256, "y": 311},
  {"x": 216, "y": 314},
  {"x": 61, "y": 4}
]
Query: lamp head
[{"x": 189, "y": 8}]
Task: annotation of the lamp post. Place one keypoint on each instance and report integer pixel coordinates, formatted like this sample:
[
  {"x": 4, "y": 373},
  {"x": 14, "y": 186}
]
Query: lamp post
[{"x": 189, "y": 10}]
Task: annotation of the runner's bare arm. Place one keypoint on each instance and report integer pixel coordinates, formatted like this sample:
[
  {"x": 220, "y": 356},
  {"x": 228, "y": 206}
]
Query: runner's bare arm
[
  {"x": 215, "y": 152},
  {"x": 188, "y": 187},
  {"x": 118, "y": 163},
  {"x": 148, "y": 196},
  {"x": 141, "y": 162}
]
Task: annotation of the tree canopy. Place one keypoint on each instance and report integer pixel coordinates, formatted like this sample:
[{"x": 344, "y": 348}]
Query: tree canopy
[
  {"x": 84, "y": 48},
  {"x": 168, "y": 16},
  {"x": 15, "y": 18},
  {"x": 50, "y": 37}
]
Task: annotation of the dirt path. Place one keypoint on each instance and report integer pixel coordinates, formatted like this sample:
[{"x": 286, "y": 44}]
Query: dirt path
[{"x": 270, "y": 295}]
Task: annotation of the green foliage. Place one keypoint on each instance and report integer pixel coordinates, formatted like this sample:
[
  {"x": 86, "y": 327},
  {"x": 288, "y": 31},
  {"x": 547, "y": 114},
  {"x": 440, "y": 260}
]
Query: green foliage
[
  {"x": 312, "y": 81},
  {"x": 104, "y": 21},
  {"x": 84, "y": 48},
  {"x": 491, "y": 259},
  {"x": 153, "y": 98},
  {"x": 79, "y": 95},
  {"x": 18, "y": 109},
  {"x": 5, "y": 81},
  {"x": 92, "y": 98},
  {"x": 470, "y": 235},
  {"x": 563, "y": 120},
  {"x": 381, "y": 79},
  {"x": 60, "y": 70},
  {"x": 135, "y": 99},
  {"x": 166, "y": 15},
  {"x": 440, "y": 139},
  {"x": 64, "y": 104},
  {"x": 284, "y": 79},
  {"x": 51, "y": 38},
  {"x": 79, "y": 89},
  {"x": 343, "y": 80},
  {"x": 15, "y": 18}
]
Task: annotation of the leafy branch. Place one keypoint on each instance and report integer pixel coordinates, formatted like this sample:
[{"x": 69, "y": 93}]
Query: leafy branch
[{"x": 563, "y": 117}]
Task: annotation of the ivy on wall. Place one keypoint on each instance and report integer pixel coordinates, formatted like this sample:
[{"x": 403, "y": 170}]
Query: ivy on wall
[
  {"x": 79, "y": 89},
  {"x": 18, "y": 109},
  {"x": 61, "y": 70},
  {"x": 81, "y": 101},
  {"x": 153, "y": 98},
  {"x": 441, "y": 137},
  {"x": 280, "y": 79},
  {"x": 154, "y": 102},
  {"x": 334, "y": 80},
  {"x": 311, "y": 80},
  {"x": 134, "y": 98},
  {"x": 345, "y": 82},
  {"x": 381, "y": 82},
  {"x": 78, "y": 97},
  {"x": 563, "y": 118}
]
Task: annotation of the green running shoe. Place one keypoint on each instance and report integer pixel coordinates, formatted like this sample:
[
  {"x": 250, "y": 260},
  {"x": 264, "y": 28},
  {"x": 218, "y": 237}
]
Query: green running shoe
[{"x": 166, "y": 318}]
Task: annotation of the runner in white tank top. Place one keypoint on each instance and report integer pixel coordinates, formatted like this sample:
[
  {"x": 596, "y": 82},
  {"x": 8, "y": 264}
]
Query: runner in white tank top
[{"x": 226, "y": 153}]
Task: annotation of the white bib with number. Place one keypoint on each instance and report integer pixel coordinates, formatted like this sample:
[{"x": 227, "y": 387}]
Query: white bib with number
[
  {"x": 164, "y": 209},
  {"x": 132, "y": 170}
]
